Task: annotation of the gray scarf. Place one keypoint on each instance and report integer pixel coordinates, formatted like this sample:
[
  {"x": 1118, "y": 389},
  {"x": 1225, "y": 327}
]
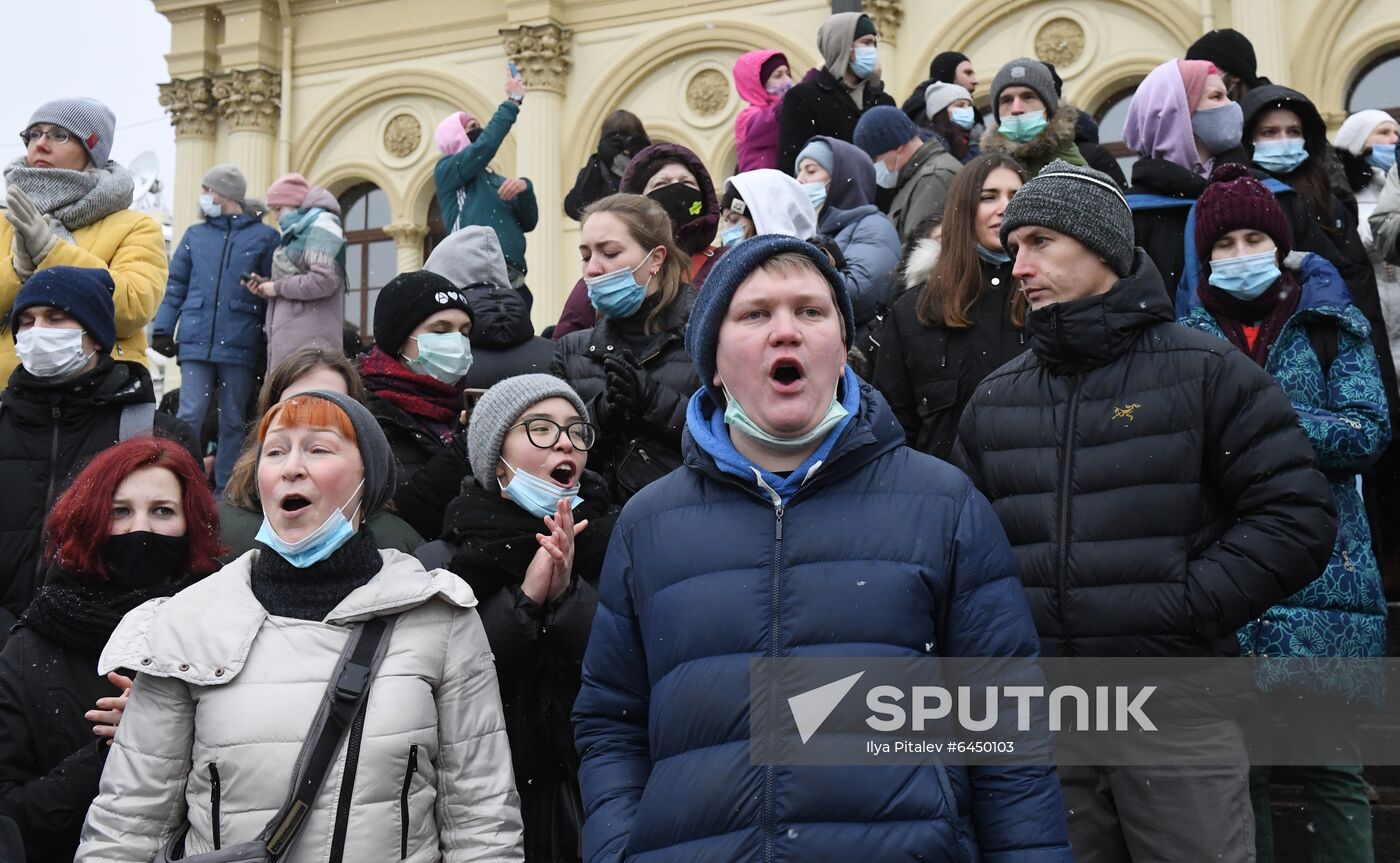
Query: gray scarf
[{"x": 74, "y": 199}]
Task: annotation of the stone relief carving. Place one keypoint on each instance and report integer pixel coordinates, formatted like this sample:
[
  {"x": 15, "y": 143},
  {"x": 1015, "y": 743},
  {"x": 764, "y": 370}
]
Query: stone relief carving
[
  {"x": 191, "y": 105},
  {"x": 541, "y": 52},
  {"x": 707, "y": 92},
  {"x": 249, "y": 99},
  {"x": 403, "y": 135},
  {"x": 1060, "y": 41}
]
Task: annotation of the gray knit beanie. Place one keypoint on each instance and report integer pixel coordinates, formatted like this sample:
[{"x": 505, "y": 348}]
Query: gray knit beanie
[
  {"x": 1026, "y": 72},
  {"x": 90, "y": 120},
  {"x": 227, "y": 181},
  {"x": 1081, "y": 203},
  {"x": 499, "y": 408},
  {"x": 818, "y": 151},
  {"x": 374, "y": 450}
]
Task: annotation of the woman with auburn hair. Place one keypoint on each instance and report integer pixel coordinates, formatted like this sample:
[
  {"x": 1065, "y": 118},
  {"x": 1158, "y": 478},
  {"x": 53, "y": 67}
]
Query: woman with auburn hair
[
  {"x": 631, "y": 368},
  {"x": 966, "y": 321},
  {"x": 316, "y": 635},
  {"x": 240, "y": 512},
  {"x": 137, "y": 522}
]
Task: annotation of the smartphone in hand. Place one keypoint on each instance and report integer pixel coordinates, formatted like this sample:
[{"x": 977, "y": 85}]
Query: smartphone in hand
[{"x": 513, "y": 69}]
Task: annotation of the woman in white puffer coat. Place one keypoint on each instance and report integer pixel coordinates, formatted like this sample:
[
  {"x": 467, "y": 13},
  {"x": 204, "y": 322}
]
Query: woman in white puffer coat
[{"x": 231, "y": 671}]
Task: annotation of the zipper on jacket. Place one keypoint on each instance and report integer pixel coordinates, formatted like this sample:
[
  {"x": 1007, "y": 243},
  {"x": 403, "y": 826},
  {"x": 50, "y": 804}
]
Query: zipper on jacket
[
  {"x": 218, "y": 280},
  {"x": 411, "y": 769},
  {"x": 215, "y": 792},
  {"x": 48, "y": 498},
  {"x": 1062, "y": 552},
  {"x": 347, "y": 785},
  {"x": 775, "y": 603}
]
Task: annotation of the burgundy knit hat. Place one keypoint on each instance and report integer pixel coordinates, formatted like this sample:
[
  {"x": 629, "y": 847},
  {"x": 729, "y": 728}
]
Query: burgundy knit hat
[{"x": 1234, "y": 200}]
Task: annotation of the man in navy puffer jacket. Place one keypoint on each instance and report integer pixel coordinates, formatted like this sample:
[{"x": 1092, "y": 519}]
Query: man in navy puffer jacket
[{"x": 799, "y": 526}]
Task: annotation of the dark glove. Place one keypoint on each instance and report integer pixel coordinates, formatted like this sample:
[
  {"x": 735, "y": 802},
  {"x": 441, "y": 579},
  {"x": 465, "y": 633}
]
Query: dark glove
[
  {"x": 833, "y": 251},
  {"x": 163, "y": 344},
  {"x": 610, "y": 145},
  {"x": 629, "y": 380}
]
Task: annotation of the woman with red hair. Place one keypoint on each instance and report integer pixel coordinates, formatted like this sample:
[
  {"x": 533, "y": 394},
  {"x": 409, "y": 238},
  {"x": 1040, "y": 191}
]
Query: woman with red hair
[{"x": 138, "y": 522}]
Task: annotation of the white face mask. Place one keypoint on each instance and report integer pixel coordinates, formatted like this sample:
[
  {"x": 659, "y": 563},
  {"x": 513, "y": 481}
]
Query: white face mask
[
  {"x": 51, "y": 352},
  {"x": 209, "y": 208}
]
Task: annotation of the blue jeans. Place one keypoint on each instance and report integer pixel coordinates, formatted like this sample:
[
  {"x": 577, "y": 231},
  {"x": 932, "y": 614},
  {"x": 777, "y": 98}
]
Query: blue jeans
[{"x": 235, "y": 384}]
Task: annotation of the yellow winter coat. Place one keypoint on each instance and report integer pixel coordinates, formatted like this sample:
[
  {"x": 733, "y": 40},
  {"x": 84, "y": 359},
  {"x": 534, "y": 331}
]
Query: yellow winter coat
[{"x": 127, "y": 244}]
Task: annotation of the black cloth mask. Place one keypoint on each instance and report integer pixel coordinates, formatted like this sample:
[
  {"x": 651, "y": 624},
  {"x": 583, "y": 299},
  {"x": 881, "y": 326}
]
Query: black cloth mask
[
  {"x": 681, "y": 203},
  {"x": 142, "y": 559}
]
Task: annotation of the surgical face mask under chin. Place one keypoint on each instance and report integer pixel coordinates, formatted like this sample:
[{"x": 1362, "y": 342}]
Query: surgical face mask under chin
[
  {"x": 1280, "y": 157},
  {"x": 317, "y": 545},
  {"x": 1023, "y": 127},
  {"x": 617, "y": 294},
  {"x": 964, "y": 117},
  {"x": 208, "y": 207},
  {"x": 864, "y": 61},
  {"x": 1247, "y": 276},
  {"x": 51, "y": 352},
  {"x": 884, "y": 177},
  {"x": 537, "y": 496},
  {"x": 735, "y": 417},
  {"x": 444, "y": 356}
]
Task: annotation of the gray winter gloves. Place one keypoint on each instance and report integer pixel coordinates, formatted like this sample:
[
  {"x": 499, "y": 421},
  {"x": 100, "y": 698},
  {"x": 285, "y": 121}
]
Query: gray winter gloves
[{"x": 34, "y": 239}]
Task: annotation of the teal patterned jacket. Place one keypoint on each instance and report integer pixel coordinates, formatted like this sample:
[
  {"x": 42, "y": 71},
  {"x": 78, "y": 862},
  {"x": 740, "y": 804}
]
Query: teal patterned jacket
[{"x": 1342, "y": 613}]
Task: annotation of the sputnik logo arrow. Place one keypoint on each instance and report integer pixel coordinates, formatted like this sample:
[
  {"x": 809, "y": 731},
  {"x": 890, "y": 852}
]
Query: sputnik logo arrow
[{"x": 811, "y": 708}]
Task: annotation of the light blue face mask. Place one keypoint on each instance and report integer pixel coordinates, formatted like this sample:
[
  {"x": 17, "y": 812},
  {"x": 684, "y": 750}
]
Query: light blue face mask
[
  {"x": 1245, "y": 277},
  {"x": 735, "y": 417},
  {"x": 884, "y": 177},
  {"x": 617, "y": 294},
  {"x": 964, "y": 117},
  {"x": 731, "y": 235},
  {"x": 864, "y": 61},
  {"x": 210, "y": 209},
  {"x": 1280, "y": 157},
  {"x": 1023, "y": 127},
  {"x": 536, "y": 496},
  {"x": 992, "y": 257},
  {"x": 317, "y": 545},
  {"x": 1382, "y": 156},
  {"x": 444, "y": 356},
  {"x": 289, "y": 219},
  {"x": 817, "y": 193}
]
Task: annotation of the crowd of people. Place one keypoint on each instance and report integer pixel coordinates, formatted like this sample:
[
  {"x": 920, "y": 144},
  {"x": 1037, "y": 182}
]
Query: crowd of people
[{"x": 913, "y": 382}]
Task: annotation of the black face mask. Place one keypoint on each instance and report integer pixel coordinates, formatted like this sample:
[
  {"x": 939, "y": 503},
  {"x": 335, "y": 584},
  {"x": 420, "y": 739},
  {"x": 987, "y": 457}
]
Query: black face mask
[
  {"x": 473, "y": 134},
  {"x": 142, "y": 559},
  {"x": 682, "y": 203}
]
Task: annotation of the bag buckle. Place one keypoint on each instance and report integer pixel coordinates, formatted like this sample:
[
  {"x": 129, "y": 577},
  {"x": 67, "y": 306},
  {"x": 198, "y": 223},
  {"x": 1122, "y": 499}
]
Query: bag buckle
[{"x": 352, "y": 682}]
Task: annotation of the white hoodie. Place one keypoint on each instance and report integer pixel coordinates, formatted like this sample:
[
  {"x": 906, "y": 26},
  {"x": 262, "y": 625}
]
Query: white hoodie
[{"x": 776, "y": 203}]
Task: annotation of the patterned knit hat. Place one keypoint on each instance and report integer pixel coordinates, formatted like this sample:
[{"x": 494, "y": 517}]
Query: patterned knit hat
[
  {"x": 1235, "y": 200},
  {"x": 93, "y": 123},
  {"x": 1080, "y": 203},
  {"x": 499, "y": 408}
]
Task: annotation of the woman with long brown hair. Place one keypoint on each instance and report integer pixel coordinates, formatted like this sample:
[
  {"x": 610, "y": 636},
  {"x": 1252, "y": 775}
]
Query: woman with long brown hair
[
  {"x": 631, "y": 368},
  {"x": 965, "y": 321}
]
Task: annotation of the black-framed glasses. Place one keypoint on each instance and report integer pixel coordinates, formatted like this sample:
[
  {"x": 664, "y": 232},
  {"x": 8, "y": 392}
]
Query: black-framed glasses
[
  {"x": 544, "y": 433},
  {"x": 55, "y": 134}
]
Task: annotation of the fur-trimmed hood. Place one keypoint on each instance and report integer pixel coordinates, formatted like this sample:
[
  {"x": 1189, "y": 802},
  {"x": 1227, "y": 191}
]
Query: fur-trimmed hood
[
  {"x": 1041, "y": 149},
  {"x": 918, "y": 267}
]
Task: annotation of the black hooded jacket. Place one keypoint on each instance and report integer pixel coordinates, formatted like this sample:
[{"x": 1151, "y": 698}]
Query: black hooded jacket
[
  {"x": 1154, "y": 482},
  {"x": 503, "y": 338},
  {"x": 820, "y": 105},
  {"x": 48, "y": 432}
]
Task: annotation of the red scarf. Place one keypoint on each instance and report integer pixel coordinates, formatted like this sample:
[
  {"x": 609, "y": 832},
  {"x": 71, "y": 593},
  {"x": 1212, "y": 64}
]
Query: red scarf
[
  {"x": 1268, "y": 312},
  {"x": 426, "y": 398}
]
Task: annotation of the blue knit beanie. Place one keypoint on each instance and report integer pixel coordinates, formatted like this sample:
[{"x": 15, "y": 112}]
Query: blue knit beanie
[
  {"x": 737, "y": 264},
  {"x": 883, "y": 129},
  {"x": 85, "y": 294}
]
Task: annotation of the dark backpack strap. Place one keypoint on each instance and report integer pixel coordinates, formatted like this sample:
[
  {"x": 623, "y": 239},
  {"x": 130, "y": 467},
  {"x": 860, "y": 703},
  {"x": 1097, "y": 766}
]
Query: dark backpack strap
[
  {"x": 347, "y": 691},
  {"x": 136, "y": 419},
  {"x": 1322, "y": 334}
]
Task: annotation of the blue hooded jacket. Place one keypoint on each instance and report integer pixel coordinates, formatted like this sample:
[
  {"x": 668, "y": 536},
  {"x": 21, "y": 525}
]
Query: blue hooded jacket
[
  {"x": 868, "y": 549},
  {"x": 866, "y": 236},
  {"x": 220, "y": 320}
]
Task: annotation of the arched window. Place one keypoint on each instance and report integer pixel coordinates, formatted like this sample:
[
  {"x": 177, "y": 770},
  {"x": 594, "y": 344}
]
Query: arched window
[
  {"x": 1111, "y": 117},
  {"x": 1378, "y": 87},
  {"x": 437, "y": 231},
  {"x": 371, "y": 258}
]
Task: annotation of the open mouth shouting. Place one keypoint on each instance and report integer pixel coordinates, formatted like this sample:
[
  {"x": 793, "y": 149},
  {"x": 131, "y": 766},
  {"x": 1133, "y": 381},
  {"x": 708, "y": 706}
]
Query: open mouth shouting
[
  {"x": 294, "y": 505},
  {"x": 565, "y": 474},
  {"x": 787, "y": 375}
]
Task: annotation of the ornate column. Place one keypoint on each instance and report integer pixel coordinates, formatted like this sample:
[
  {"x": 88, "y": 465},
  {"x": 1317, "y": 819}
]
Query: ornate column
[
  {"x": 541, "y": 52},
  {"x": 1263, "y": 21},
  {"x": 408, "y": 240},
  {"x": 190, "y": 103},
  {"x": 249, "y": 101},
  {"x": 887, "y": 15}
]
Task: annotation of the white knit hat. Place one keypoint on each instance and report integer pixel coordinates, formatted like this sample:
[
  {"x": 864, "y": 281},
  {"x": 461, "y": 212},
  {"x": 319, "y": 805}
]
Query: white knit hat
[
  {"x": 1357, "y": 128},
  {"x": 940, "y": 94}
]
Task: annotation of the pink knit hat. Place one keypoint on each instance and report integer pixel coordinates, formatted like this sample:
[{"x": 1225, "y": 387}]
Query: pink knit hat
[
  {"x": 1193, "y": 78},
  {"x": 451, "y": 135},
  {"x": 288, "y": 191}
]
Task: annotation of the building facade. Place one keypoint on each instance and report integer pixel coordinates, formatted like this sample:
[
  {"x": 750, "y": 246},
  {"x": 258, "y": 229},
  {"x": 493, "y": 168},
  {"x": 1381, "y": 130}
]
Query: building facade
[{"x": 348, "y": 92}]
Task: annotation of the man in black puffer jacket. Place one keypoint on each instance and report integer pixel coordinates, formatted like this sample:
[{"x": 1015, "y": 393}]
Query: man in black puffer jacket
[
  {"x": 68, "y": 401},
  {"x": 1157, "y": 491}
]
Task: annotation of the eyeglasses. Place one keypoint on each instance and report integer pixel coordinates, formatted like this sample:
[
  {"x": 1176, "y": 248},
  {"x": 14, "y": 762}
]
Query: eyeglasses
[
  {"x": 54, "y": 134},
  {"x": 544, "y": 433}
]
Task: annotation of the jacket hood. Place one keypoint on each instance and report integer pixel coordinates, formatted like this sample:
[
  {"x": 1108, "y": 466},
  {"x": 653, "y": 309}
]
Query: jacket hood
[
  {"x": 1257, "y": 102},
  {"x": 1043, "y": 147},
  {"x": 1087, "y": 333},
  {"x": 319, "y": 197},
  {"x": 1158, "y": 124},
  {"x": 776, "y": 203},
  {"x": 1162, "y": 177},
  {"x": 746, "y": 78},
  {"x": 698, "y": 233},
  {"x": 868, "y": 431},
  {"x": 470, "y": 257},
  {"x": 833, "y": 220},
  {"x": 853, "y": 178},
  {"x": 500, "y": 317},
  {"x": 112, "y": 383},
  {"x": 834, "y": 39},
  {"x": 922, "y": 258},
  {"x": 169, "y": 637}
]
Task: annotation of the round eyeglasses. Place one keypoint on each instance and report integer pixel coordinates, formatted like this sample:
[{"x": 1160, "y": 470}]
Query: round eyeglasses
[
  {"x": 544, "y": 433},
  {"x": 55, "y": 135}
]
